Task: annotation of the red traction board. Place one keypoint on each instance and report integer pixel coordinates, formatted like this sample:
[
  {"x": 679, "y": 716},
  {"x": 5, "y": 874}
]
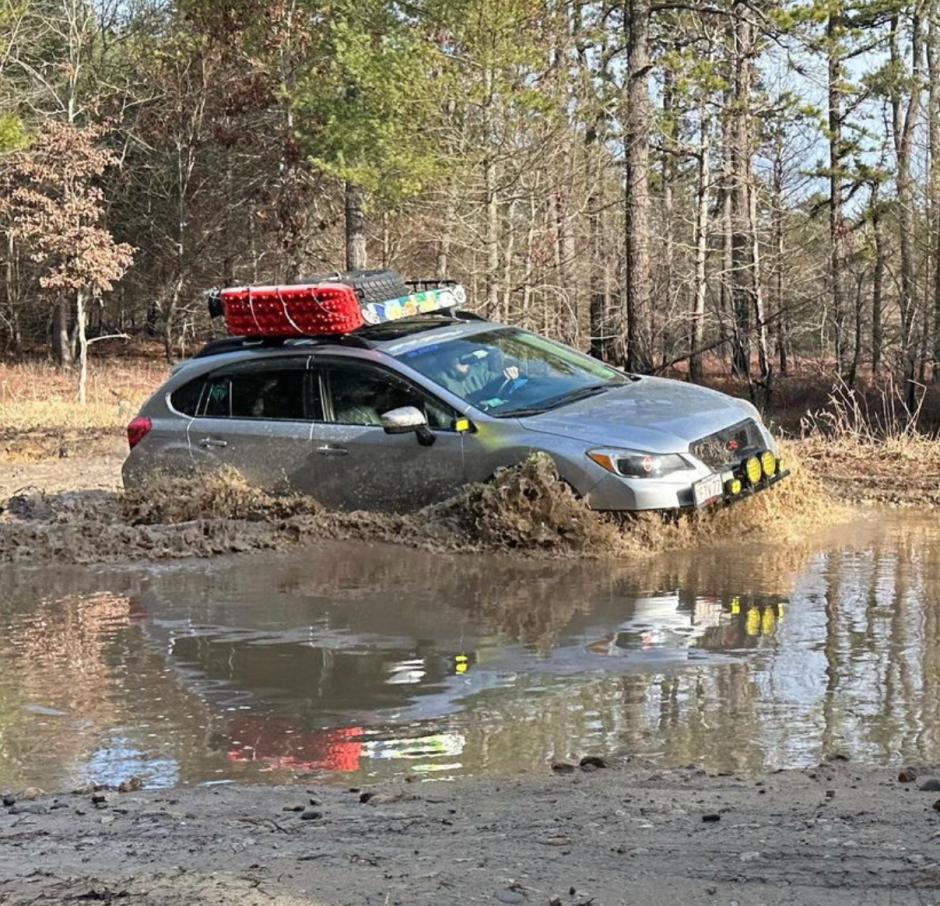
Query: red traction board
[{"x": 291, "y": 311}]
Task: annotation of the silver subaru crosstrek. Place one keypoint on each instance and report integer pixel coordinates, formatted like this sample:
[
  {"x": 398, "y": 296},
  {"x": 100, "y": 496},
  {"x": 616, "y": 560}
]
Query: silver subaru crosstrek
[{"x": 402, "y": 414}]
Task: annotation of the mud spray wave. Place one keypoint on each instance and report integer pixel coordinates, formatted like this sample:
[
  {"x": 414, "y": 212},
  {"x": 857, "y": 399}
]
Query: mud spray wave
[{"x": 525, "y": 509}]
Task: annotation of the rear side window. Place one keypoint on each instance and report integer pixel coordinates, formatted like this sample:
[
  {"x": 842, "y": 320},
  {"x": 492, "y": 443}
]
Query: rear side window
[
  {"x": 269, "y": 394},
  {"x": 185, "y": 399}
]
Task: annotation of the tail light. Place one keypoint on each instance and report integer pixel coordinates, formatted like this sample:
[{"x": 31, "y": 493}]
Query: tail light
[{"x": 137, "y": 430}]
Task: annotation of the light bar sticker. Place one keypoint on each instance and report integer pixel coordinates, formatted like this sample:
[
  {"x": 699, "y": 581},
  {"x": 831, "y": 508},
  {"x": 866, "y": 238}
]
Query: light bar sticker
[{"x": 409, "y": 306}]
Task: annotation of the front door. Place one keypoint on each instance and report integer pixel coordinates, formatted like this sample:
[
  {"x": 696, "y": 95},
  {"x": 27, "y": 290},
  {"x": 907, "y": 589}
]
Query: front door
[{"x": 359, "y": 466}]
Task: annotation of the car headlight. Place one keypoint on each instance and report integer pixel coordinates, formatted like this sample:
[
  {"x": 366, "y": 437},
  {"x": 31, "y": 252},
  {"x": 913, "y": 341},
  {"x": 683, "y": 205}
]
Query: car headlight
[{"x": 638, "y": 464}]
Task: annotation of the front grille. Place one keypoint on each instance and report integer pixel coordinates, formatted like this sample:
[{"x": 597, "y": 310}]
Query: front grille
[{"x": 728, "y": 445}]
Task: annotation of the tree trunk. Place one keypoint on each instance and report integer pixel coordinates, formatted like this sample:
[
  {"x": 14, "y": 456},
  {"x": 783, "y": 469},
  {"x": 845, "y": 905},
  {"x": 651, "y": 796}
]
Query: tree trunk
[
  {"x": 743, "y": 277},
  {"x": 169, "y": 316},
  {"x": 357, "y": 257},
  {"x": 877, "y": 291},
  {"x": 697, "y": 334},
  {"x": 836, "y": 167},
  {"x": 445, "y": 240},
  {"x": 11, "y": 296},
  {"x": 386, "y": 241},
  {"x": 568, "y": 290},
  {"x": 597, "y": 315},
  {"x": 933, "y": 122},
  {"x": 61, "y": 343},
  {"x": 727, "y": 255},
  {"x": 637, "y": 283},
  {"x": 491, "y": 199},
  {"x": 669, "y": 229},
  {"x": 783, "y": 337},
  {"x": 857, "y": 351},
  {"x": 904, "y": 120},
  {"x": 446, "y": 236},
  {"x": 491, "y": 238},
  {"x": 528, "y": 266},
  {"x": 508, "y": 255},
  {"x": 758, "y": 292},
  {"x": 81, "y": 319},
  {"x": 603, "y": 332}
]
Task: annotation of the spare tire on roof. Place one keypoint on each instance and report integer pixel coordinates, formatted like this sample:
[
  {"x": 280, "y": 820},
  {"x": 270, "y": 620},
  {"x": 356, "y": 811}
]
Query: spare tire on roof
[{"x": 370, "y": 285}]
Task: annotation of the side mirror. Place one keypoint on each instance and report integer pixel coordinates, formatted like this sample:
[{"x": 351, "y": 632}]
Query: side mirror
[{"x": 408, "y": 420}]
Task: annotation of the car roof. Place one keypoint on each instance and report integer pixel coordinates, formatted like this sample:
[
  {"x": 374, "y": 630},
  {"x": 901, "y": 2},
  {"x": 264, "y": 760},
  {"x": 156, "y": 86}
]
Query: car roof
[{"x": 391, "y": 338}]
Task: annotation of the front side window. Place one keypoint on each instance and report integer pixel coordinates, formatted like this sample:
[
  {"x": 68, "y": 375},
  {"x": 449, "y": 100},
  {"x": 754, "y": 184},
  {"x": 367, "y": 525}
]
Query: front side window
[
  {"x": 268, "y": 394},
  {"x": 509, "y": 372},
  {"x": 361, "y": 394}
]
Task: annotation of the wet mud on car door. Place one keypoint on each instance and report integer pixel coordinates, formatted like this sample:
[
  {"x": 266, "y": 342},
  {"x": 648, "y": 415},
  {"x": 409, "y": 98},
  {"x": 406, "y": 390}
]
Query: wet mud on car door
[
  {"x": 258, "y": 420},
  {"x": 362, "y": 467},
  {"x": 359, "y": 466}
]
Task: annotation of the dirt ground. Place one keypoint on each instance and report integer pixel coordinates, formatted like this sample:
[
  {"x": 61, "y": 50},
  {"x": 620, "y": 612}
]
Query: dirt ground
[
  {"x": 627, "y": 834},
  {"x": 55, "y": 474}
]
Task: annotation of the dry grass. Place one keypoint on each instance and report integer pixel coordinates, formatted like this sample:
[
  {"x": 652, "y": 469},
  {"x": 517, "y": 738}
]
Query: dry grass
[
  {"x": 37, "y": 398},
  {"x": 870, "y": 447}
]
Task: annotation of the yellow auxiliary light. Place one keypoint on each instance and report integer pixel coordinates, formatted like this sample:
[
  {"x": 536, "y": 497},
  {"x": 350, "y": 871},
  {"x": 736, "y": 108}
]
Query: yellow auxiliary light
[
  {"x": 733, "y": 487},
  {"x": 753, "y": 470},
  {"x": 768, "y": 463},
  {"x": 752, "y": 621},
  {"x": 462, "y": 425},
  {"x": 768, "y": 621}
]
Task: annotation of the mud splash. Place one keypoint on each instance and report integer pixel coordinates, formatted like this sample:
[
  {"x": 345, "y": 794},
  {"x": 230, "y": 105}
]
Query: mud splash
[
  {"x": 797, "y": 505},
  {"x": 525, "y": 509}
]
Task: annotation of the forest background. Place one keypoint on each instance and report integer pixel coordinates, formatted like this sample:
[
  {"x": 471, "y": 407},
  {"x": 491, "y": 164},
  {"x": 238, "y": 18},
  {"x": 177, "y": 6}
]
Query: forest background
[{"x": 721, "y": 189}]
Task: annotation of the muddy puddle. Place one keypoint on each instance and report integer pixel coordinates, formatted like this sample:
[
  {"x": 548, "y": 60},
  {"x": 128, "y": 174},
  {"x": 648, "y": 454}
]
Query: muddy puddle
[{"x": 343, "y": 660}]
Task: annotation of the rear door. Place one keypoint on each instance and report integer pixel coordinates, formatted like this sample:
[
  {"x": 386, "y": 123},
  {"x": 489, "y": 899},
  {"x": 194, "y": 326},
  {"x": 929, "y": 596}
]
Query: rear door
[
  {"x": 257, "y": 418},
  {"x": 359, "y": 466}
]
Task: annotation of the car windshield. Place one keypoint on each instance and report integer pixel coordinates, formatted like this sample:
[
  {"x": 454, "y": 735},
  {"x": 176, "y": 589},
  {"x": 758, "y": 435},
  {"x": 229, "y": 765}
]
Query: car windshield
[{"x": 509, "y": 372}]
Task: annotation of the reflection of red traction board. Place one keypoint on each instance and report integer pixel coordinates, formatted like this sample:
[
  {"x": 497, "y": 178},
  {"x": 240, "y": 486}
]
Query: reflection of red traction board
[{"x": 291, "y": 310}]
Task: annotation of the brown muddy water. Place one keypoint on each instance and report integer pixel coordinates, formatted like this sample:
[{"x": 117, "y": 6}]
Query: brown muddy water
[{"x": 351, "y": 661}]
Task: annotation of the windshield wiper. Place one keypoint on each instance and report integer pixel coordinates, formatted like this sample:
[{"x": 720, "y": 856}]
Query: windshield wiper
[{"x": 571, "y": 397}]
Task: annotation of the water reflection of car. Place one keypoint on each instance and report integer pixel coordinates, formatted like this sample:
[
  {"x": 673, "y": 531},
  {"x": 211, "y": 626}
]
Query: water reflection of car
[
  {"x": 280, "y": 742},
  {"x": 394, "y": 416},
  {"x": 670, "y": 621}
]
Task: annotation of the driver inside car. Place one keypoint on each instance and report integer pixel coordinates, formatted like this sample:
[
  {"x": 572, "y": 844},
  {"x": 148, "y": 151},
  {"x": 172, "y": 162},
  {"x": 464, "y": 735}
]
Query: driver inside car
[{"x": 470, "y": 372}]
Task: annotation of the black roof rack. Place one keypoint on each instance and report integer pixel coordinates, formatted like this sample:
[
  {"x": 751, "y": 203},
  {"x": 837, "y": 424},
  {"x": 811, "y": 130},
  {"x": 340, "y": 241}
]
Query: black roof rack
[
  {"x": 234, "y": 344},
  {"x": 357, "y": 339},
  {"x": 427, "y": 283},
  {"x": 462, "y": 315}
]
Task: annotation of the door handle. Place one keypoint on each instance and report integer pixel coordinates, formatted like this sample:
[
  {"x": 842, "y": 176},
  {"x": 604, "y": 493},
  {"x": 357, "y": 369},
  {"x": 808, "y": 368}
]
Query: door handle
[
  {"x": 329, "y": 450},
  {"x": 209, "y": 442}
]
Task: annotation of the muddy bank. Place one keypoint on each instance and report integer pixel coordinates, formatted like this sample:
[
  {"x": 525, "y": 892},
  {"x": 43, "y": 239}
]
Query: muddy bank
[
  {"x": 836, "y": 834},
  {"x": 526, "y": 509}
]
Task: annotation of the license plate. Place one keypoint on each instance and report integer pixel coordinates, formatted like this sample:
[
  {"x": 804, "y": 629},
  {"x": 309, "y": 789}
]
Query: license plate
[{"x": 707, "y": 489}]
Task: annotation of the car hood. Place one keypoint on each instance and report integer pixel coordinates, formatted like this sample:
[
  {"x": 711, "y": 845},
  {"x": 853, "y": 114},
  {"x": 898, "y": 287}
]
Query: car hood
[{"x": 657, "y": 415}]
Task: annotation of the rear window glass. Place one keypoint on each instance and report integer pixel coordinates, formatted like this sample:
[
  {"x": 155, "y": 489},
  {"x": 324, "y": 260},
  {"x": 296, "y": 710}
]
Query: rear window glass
[
  {"x": 288, "y": 395},
  {"x": 185, "y": 399}
]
